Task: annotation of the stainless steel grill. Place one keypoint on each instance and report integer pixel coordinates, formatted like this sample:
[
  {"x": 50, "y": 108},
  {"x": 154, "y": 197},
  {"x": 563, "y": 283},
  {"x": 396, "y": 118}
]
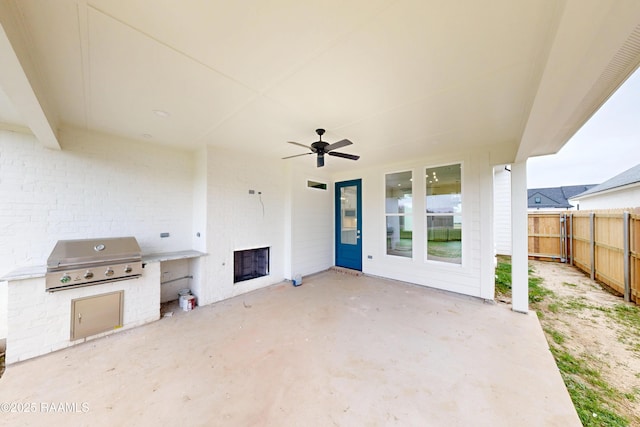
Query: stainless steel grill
[{"x": 85, "y": 262}]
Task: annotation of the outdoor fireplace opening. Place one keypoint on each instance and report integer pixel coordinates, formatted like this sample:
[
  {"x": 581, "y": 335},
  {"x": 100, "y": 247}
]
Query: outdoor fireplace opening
[{"x": 250, "y": 264}]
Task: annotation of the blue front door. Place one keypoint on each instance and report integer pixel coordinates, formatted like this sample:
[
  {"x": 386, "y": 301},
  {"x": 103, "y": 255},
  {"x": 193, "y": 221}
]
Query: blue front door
[{"x": 348, "y": 207}]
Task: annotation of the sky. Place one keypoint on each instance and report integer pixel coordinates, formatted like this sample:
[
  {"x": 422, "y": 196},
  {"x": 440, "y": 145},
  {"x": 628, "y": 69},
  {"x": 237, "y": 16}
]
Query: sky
[{"x": 608, "y": 144}]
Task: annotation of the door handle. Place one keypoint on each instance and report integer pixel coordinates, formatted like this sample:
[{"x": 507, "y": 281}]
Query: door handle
[
  {"x": 79, "y": 318},
  {"x": 357, "y": 234}
]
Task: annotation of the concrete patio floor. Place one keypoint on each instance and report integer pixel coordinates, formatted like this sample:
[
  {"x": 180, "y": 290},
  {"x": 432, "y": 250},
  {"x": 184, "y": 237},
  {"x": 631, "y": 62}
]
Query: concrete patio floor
[{"x": 338, "y": 350}]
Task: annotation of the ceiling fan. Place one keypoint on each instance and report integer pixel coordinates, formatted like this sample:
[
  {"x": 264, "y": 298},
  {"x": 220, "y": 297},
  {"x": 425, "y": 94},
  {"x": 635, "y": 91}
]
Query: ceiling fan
[{"x": 320, "y": 148}]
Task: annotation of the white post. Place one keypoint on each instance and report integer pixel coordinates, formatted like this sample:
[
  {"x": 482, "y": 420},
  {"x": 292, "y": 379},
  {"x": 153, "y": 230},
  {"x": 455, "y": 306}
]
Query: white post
[{"x": 519, "y": 238}]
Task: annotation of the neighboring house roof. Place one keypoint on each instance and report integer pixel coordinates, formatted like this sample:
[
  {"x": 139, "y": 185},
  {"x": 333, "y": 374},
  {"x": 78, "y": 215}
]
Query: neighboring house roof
[
  {"x": 555, "y": 197},
  {"x": 628, "y": 177}
]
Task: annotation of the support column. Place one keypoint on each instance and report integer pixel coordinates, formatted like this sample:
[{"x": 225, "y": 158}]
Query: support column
[{"x": 519, "y": 238}]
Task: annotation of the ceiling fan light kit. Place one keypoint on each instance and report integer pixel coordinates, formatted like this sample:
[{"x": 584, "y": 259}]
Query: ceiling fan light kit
[{"x": 320, "y": 148}]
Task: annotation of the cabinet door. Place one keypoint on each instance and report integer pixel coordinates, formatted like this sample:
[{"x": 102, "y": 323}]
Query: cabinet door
[{"x": 95, "y": 314}]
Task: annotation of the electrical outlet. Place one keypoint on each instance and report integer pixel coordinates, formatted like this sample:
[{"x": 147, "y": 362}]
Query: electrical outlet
[
  {"x": 163, "y": 235},
  {"x": 369, "y": 256},
  {"x": 252, "y": 191}
]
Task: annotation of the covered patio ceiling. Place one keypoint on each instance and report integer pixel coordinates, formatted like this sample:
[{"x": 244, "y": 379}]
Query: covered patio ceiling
[{"x": 400, "y": 79}]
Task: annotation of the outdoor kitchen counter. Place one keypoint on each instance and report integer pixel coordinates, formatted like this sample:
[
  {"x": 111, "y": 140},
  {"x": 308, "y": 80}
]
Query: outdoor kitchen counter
[
  {"x": 36, "y": 271},
  {"x": 170, "y": 256},
  {"x": 31, "y": 272}
]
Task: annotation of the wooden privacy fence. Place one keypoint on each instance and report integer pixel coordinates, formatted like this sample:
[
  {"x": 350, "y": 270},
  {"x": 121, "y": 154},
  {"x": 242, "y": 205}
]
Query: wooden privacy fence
[{"x": 604, "y": 244}]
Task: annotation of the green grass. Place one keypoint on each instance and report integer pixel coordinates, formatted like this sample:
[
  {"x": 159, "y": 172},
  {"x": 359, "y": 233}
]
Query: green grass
[
  {"x": 557, "y": 336},
  {"x": 536, "y": 291},
  {"x": 554, "y": 307},
  {"x": 503, "y": 276},
  {"x": 596, "y": 402},
  {"x": 628, "y": 317},
  {"x": 571, "y": 285},
  {"x": 589, "y": 392},
  {"x": 503, "y": 282}
]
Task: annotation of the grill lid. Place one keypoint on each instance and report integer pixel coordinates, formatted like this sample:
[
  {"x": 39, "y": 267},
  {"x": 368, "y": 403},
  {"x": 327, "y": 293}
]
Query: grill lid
[{"x": 70, "y": 253}]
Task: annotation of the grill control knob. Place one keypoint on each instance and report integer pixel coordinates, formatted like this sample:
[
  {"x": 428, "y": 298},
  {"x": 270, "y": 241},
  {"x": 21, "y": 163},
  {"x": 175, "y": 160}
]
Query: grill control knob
[
  {"x": 88, "y": 275},
  {"x": 65, "y": 279},
  {"x": 109, "y": 272},
  {"x": 128, "y": 269}
]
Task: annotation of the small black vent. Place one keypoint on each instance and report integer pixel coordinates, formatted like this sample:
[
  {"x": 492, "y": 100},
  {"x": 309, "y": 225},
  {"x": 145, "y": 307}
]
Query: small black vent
[{"x": 250, "y": 264}]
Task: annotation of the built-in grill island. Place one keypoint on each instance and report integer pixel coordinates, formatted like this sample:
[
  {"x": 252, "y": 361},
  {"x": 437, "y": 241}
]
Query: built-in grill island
[
  {"x": 95, "y": 297},
  {"x": 86, "y": 262}
]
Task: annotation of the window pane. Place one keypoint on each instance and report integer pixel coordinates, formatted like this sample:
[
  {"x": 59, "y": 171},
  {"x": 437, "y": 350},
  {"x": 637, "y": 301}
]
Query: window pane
[
  {"x": 349, "y": 217},
  {"x": 399, "y": 236},
  {"x": 444, "y": 189},
  {"x": 444, "y": 213},
  {"x": 399, "y": 209},
  {"x": 315, "y": 184},
  {"x": 398, "y": 198}
]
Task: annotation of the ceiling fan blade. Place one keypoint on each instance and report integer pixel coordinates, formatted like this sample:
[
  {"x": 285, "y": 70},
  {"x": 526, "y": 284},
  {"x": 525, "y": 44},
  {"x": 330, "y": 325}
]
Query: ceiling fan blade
[
  {"x": 297, "y": 155},
  {"x": 339, "y": 144},
  {"x": 344, "y": 155},
  {"x": 301, "y": 145}
]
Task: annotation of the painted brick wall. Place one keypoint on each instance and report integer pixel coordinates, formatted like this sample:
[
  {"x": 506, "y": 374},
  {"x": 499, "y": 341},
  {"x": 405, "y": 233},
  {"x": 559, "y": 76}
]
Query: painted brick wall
[
  {"x": 237, "y": 220},
  {"x": 98, "y": 186},
  {"x": 39, "y": 321}
]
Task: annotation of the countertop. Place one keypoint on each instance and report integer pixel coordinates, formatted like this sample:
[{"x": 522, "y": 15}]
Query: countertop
[
  {"x": 36, "y": 271},
  {"x": 170, "y": 256}
]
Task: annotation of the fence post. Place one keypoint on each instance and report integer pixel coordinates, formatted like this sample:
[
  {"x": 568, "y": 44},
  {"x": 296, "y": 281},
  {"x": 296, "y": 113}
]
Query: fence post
[
  {"x": 563, "y": 237},
  {"x": 571, "y": 239},
  {"x": 625, "y": 237},
  {"x": 592, "y": 226}
]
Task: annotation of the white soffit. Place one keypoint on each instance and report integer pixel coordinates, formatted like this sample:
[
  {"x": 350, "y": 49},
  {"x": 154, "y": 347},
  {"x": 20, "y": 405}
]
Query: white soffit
[
  {"x": 25, "y": 96},
  {"x": 596, "y": 48}
]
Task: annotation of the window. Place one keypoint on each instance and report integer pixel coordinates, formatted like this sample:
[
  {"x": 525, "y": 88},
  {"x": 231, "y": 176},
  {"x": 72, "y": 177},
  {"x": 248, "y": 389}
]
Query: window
[
  {"x": 399, "y": 214},
  {"x": 444, "y": 213},
  {"x": 538, "y": 200},
  {"x": 315, "y": 184}
]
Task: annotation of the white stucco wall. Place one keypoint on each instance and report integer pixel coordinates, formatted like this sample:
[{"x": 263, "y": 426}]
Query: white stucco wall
[
  {"x": 625, "y": 197},
  {"x": 502, "y": 210}
]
